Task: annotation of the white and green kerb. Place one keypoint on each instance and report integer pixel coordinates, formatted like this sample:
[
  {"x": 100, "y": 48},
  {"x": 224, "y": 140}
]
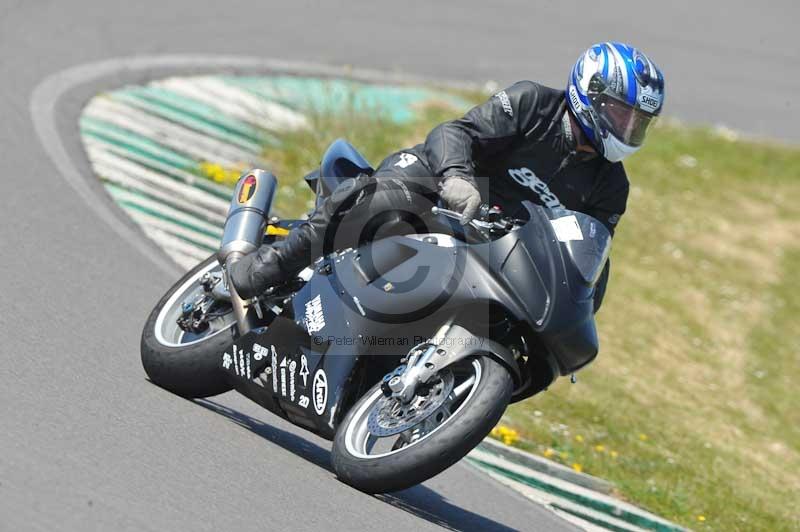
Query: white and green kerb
[{"x": 170, "y": 151}]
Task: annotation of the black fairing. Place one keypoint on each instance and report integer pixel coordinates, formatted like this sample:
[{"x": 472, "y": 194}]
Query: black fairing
[
  {"x": 402, "y": 289},
  {"x": 551, "y": 282}
]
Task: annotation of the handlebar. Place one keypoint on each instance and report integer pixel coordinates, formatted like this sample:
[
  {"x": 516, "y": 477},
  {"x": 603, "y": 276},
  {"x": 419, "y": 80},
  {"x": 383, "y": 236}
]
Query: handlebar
[{"x": 487, "y": 219}]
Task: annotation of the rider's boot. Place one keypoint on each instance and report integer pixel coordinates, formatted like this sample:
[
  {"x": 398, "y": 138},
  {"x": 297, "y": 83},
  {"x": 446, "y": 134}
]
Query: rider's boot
[{"x": 273, "y": 265}]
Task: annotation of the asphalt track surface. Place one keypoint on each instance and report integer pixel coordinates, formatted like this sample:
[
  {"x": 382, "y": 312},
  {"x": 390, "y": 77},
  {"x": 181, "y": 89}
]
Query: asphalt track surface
[{"x": 86, "y": 443}]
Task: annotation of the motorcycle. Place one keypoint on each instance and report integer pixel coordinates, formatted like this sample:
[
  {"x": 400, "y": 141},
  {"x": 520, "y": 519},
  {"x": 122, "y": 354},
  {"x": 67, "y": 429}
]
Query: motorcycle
[{"x": 406, "y": 351}]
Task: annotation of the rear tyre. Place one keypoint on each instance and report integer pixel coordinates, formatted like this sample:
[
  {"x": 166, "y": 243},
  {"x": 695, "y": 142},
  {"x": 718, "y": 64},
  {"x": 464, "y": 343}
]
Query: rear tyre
[
  {"x": 433, "y": 445},
  {"x": 187, "y": 365}
]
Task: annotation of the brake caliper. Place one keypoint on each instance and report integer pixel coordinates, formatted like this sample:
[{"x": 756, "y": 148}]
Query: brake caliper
[{"x": 194, "y": 316}]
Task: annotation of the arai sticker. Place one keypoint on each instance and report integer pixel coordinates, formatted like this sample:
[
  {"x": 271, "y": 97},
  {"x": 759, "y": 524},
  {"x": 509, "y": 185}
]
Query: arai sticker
[{"x": 320, "y": 391}]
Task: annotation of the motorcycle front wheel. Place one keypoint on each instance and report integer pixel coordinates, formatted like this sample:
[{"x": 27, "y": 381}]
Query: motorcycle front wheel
[
  {"x": 186, "y": 363},
  {"x": 383, "y": 445}
]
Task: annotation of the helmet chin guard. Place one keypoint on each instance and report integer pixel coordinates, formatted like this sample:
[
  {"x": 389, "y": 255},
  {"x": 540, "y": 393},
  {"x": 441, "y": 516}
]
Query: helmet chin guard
[{"x": 614, "y": 150}]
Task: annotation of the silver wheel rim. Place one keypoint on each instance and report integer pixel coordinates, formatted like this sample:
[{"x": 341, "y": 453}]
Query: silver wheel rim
[
  {"x": 359, "y": 442},
  {"x": 168, "y": 333}
]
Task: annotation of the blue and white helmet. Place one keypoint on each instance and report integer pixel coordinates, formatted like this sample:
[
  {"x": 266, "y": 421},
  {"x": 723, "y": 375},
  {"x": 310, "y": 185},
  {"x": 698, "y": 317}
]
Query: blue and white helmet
[{"x": 615, "y": 92}]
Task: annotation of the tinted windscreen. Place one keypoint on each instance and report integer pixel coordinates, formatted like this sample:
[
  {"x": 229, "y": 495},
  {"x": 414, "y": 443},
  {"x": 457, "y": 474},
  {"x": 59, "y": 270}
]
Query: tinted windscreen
[{"x": 588, "y": 242}]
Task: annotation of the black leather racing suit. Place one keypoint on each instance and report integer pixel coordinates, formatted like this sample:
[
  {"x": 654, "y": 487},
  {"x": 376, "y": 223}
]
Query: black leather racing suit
[{"x": 521, "y": 138}]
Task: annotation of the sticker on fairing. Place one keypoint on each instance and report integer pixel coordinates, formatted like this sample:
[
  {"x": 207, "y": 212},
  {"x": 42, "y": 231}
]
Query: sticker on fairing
[
  {"x": 567, "y": 228},
  {"x": 261, "y": 379},
  {"x": 320, "y": 391},
  {"x": 304, "y": 370},
  {"x": 292, "y": 369},
  {"x": 260, "y": 352},
  {"x": 283, "y": 376},
  {"x": 315, "y": 317},
  {"x": 274, "y": 367},
  {"x": 240, "y": 362}
]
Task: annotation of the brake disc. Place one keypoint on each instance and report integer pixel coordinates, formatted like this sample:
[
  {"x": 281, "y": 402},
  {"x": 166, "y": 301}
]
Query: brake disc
[{"x": 389, "y": 416}]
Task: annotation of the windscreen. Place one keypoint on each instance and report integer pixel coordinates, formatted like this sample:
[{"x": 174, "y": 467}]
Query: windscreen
[{"x": 588, "y": 242}]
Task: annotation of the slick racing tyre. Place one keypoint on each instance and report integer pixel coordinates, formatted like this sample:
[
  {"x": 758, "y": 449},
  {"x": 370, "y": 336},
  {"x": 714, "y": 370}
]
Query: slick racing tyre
[
  {"x": 383, "y": 445},
  {"x": 188, "y": 363}
]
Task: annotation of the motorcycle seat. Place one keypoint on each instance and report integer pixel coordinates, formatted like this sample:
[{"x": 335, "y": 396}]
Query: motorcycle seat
[{"x": 340, "y": 161}]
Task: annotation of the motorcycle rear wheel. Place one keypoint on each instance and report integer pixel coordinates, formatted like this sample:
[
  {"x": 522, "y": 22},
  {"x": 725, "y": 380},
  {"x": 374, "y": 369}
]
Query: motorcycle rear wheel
[
  {"x": 430, "y": 447},
  {"x": 182, "y": 363}
]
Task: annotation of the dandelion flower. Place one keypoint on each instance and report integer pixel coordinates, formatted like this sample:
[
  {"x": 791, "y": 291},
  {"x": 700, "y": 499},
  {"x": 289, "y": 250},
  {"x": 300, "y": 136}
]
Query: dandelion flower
[
  {"x": 578, "y": 438},
  {"x": 220, "y": 174},
  {"x": 614, "y": 454},
  {"x": 510, "y": 437},
  {"x": 701, "y": 518},
  {"x": 505, "y": 434},
  {"x": 599, "y": 448},
  {"x": 577, "y": 467},
  {"x": 548, "y": 452},
  {"x": 643, "y": 436}
]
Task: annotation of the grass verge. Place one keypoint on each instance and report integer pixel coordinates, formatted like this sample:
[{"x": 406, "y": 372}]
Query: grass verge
[
  {"x": 373, "y": 133},
  {"x": 690, "y": 408}
]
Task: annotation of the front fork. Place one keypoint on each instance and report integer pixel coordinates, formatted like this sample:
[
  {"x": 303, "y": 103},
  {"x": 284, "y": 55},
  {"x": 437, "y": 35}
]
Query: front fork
[
  {"x": 244, "y": 231},
  {"x": 417, "y": 370},
  {"x": 450, "y": 344}
]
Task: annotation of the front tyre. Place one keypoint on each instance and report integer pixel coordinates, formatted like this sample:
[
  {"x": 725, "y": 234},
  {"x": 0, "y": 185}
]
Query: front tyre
[
  {"x": 187, "y": 364},
  {"x": 463, "y": 404}
]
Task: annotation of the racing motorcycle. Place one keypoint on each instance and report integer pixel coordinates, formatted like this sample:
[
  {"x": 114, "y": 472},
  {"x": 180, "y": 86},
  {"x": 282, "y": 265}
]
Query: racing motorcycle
[{"x": 406, "y": 351}]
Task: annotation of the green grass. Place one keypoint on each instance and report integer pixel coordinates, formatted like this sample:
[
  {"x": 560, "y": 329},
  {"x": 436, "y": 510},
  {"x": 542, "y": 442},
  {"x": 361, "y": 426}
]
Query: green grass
[
  {"x": 690, "y": 408},
  {"x": 374, "y": 134},
  {"x": 692, "y": 389}
]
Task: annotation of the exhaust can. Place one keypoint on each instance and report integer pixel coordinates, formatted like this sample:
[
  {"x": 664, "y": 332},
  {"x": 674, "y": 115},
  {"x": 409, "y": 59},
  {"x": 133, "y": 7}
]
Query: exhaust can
[{"x": 248, "y": 214}]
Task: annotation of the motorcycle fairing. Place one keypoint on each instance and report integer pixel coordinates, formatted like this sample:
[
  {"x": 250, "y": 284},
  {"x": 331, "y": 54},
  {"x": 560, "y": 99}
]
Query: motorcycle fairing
[
  {"x": 563, "y": 319},
  {"x": 405, "y": 288},
  {"x": 303, "y": 371},
  {"x": 528, "y": 272}
]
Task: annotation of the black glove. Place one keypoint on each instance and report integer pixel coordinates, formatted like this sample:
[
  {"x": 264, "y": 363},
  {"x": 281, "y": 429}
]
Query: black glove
[{"x": 460, "y": 195}]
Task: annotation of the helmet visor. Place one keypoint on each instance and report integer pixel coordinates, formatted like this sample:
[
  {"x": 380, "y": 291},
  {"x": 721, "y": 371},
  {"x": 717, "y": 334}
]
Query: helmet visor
[{"x": 624, "y": 121}]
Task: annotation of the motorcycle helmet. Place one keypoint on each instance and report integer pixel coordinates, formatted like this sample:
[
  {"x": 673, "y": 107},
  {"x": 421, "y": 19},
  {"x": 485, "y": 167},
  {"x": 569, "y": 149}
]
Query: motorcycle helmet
[{"x": 615, "y": 92}]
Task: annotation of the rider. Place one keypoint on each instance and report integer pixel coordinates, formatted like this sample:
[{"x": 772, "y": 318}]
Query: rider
[{"x": 553, "y": 147}]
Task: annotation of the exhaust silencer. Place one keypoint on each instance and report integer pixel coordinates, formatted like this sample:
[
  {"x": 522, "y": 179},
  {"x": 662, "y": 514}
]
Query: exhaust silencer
[
  {"x": 244, "y": 231},
  {"x": 248, "y": 214}
]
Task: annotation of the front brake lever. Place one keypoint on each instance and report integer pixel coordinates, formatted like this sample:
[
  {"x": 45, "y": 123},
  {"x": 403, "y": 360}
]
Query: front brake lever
[
  {"x": 476, "y": 225},
  {"x": 488, "y": 219},
  {"x": 452, "y": 214}
]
